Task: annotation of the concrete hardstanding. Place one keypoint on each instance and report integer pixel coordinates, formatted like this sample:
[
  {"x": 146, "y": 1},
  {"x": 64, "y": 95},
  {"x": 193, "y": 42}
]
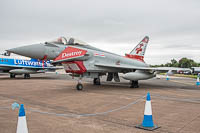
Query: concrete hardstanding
[{"x": 175, "y": 105}]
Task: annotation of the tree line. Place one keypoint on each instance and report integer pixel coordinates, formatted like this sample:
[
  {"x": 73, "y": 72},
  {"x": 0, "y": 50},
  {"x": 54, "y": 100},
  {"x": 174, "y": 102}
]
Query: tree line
[{"x": 182, "y": 63}]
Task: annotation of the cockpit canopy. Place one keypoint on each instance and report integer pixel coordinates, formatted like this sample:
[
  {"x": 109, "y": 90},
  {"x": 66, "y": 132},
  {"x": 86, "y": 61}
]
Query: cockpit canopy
[{"x": 68, "y": 41}]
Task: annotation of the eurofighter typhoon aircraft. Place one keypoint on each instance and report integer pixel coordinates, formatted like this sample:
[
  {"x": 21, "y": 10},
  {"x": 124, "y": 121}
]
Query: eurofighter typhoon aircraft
[
  {"x": 83, "y": 60},
  {"x": 16, "y": 66}
]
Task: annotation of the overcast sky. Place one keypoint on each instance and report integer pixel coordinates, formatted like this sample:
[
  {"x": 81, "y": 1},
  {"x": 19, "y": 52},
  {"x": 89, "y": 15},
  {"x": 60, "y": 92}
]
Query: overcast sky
[{"x": 113, "y": 25}]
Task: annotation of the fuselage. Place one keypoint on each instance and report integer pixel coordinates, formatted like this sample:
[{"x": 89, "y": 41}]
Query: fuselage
[
  {"x": 103, "y": 57},
  {"x": 50, "y": 51},
  {"x": 9, "y": 63}
]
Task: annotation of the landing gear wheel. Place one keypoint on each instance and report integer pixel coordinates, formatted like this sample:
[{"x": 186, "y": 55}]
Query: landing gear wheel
[
  {"x": 27, "y": 76},
  {"x": 134, "y": 84},
  {"x": 96, "y": 81},
  {"x": 79, "y": 87},
  {"x": 12, "y": 75}
]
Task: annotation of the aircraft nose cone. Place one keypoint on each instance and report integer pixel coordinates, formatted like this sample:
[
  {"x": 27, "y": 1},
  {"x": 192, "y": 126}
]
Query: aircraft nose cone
[{"x": 36, "y": 51}]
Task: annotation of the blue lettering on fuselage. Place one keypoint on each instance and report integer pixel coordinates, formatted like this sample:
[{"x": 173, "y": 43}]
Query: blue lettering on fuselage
[
  {"x": 24, "y": 63},
  {"x": 27, "y": 62}
]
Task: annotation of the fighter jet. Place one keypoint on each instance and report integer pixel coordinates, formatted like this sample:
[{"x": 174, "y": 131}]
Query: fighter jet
[
  {"x": 84, "y": 60},
  {"x": 17, "y": 66}
]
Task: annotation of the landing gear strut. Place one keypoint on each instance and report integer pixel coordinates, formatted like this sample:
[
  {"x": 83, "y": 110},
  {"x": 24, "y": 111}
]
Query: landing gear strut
[
  {"x": 27, "y": 76},
  {"x": 134, "y": 84},
  {"x": 79, "y": 86},
  {"x": 96, "y": 81},
  {"x": 12, "y": 75}
]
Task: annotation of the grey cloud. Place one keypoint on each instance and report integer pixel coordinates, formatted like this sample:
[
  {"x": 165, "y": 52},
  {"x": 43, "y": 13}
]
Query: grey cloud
[{"x": 168, "y": 23}]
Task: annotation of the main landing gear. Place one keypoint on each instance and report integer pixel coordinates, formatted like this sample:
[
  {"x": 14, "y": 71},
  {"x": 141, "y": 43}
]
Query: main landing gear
[
  {"x": 96, "y": 81},
  {"x": 134, "y": 84},
  {"x": 27, "y": 76}
]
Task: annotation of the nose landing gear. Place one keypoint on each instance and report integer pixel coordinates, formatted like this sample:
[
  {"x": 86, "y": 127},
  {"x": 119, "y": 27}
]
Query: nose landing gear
[{"x": 79, "y": 86}]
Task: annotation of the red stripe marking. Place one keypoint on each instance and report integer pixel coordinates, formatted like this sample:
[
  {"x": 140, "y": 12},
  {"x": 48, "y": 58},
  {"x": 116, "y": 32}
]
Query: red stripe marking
[
  {"x": 137, "y": 57},
  {"x": 79, "y": 64}
]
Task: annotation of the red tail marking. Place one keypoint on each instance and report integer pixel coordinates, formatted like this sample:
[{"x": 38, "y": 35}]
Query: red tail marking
[
  {"x": 145, "y": 40},
  {"x": 137, "y": 57},
  {"x": 139, "y": 49}
]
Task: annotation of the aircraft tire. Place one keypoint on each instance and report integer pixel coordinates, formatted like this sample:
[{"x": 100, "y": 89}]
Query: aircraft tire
[
  {"x": 97, "y": 81},
  {"x": 12, "y": 75},
  {"x": 134, "y": 84},
  {"x": 26, "y": 76},
  {"x": 79, "y": 87}
]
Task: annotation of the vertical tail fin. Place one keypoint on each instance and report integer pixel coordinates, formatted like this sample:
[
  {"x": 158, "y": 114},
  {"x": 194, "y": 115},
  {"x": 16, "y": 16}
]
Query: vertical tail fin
[{"x": 139, "y": 51}]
